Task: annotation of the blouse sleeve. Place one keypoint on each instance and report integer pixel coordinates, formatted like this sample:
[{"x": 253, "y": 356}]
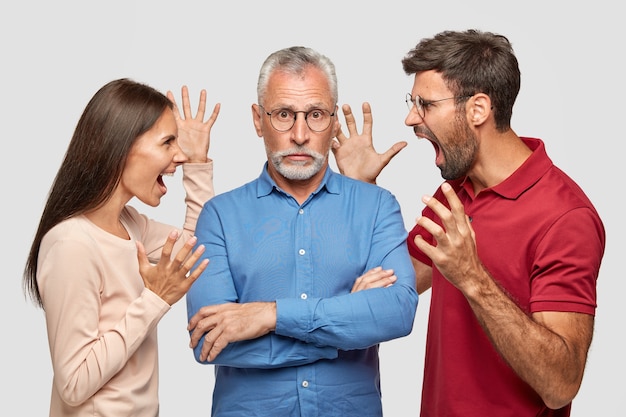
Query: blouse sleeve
[{"x": 84, "y": 355}]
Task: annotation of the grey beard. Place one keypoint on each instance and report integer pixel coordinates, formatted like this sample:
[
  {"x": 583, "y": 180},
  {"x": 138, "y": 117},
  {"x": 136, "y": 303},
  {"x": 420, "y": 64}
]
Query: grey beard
[{"x": 297, "y": 170}]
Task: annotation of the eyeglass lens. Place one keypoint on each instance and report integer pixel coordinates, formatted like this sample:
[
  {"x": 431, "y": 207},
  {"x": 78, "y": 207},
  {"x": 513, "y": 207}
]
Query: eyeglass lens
[
  {"x": 414, "y": 102},
  {"x": 317, "y": 119}
]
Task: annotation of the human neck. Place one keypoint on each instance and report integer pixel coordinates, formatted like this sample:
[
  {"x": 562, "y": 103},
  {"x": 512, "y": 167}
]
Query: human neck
[
  {"x": 497, "y": 160},
  {"x": 300, "y": 190},
  {"x": 107, "y": 218}
]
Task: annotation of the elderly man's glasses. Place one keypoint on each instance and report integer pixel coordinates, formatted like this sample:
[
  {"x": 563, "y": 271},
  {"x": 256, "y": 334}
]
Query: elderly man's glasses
[
  {"x": 422, "y": 105},
  {"x": 283, "y": 120}
]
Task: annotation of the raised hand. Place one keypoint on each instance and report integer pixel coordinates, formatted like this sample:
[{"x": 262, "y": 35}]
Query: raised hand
[
  {"x": 194, "y": 134},
  {"x": 355, "y": 154},
  {"x": 170, "y": 278}
]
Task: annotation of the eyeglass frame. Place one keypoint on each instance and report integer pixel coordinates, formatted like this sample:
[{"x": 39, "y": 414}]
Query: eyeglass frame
[
  {"x": 295, "y": 116},
  {"x": 423, "y": 104}
]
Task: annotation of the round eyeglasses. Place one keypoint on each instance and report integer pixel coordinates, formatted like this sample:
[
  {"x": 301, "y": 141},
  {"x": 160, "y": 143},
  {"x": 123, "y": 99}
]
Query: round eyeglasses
[
  {"x": 422, "y": 105},
  {"x": 283, "y": 120}
]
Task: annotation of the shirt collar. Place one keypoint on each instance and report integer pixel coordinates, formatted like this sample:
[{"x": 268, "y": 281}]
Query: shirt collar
[
  {"x": 533, "y": 168},
  {"x": 331, "y": 182}
]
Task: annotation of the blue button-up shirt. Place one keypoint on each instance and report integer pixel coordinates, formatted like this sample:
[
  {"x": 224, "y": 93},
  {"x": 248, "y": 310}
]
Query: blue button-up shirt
[{"x": 322, "y": 359}]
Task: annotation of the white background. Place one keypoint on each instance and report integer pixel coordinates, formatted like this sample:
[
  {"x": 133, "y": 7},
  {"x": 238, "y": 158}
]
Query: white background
[{"x": 55, "y": 55}]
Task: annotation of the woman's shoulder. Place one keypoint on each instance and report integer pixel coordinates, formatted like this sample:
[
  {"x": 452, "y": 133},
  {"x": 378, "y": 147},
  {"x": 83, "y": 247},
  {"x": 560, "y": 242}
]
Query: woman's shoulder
[
  {"x": 73, "y": 226},
  {"x": 76, "y": 230}
]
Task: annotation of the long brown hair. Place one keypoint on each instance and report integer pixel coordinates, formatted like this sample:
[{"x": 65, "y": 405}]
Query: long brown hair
[{"x": 120, "y": 112}]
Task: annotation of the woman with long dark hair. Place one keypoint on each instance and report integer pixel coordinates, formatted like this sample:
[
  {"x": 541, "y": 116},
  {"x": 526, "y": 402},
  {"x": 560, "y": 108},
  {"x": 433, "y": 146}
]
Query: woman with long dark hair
[{"x": 103, "y": 273}]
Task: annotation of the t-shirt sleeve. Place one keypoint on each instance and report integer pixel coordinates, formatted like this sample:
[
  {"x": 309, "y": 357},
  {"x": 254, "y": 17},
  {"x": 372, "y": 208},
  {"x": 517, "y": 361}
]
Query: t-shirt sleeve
[{"x": 567, "y": 263}]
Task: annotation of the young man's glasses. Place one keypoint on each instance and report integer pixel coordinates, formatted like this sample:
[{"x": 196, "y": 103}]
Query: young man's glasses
[{"x": 422, "y": 105}]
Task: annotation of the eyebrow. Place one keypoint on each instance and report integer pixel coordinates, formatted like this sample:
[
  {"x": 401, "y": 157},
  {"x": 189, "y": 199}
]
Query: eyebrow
[{"x": 312, "y": 106}]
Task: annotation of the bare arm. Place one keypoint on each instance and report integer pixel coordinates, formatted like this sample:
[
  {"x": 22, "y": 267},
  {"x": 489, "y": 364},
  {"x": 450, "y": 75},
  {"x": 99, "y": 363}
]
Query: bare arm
[
  {"x": 423, "y": 276},
  {"x": 548, "y": 350},
  {"x": 355, "y": 154}
]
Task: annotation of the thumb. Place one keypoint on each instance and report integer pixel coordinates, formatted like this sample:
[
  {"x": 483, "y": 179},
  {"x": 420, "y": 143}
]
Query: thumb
[{"x": 394, "y": 150}]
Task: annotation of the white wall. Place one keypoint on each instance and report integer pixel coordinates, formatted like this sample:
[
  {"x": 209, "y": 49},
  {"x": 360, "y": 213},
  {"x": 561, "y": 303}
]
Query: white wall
[{"x": 55, "y": 55}]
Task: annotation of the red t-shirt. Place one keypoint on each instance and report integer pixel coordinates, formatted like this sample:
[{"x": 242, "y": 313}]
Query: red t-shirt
[{"x": 542, "y": 240}]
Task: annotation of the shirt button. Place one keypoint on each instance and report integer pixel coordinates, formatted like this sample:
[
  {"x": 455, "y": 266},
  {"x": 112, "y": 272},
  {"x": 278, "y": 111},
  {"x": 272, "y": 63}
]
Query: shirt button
[
  {"x": 305, "y": 384},
  {"x": 303, "y": 296},
  {"x": 301, "y": 251},
  {"x": 300, "y": 211}
]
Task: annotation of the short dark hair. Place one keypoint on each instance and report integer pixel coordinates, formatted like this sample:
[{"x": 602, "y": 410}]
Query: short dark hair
[{"x": 471, "y": 62}]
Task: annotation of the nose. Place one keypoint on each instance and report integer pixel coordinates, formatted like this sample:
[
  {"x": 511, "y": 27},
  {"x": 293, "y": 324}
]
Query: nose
[
  {"x": 179, "y": 155},
  {"x": 413, "y": 118},
  {"x": 300, "y": 130}
]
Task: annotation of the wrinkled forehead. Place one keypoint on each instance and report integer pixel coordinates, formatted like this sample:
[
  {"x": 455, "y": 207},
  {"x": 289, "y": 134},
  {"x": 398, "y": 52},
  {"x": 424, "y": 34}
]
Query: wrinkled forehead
[{"x": 308, "y": 88}]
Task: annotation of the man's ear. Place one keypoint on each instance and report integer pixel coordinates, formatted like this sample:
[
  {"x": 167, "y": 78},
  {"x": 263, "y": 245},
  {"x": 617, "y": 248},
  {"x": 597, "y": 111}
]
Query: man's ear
[
  {"x": 479, "y": 109},
  {"x": 256, "y": 119},
  {"x": 336, "y": 125}
]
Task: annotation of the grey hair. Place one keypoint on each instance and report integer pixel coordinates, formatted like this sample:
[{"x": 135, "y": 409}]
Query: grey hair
[{"x": 294, "y": 60}]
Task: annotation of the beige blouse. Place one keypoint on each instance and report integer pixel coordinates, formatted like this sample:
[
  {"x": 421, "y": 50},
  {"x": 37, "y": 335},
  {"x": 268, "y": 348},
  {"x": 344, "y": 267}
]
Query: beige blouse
[{"x": 101, "y": 320}]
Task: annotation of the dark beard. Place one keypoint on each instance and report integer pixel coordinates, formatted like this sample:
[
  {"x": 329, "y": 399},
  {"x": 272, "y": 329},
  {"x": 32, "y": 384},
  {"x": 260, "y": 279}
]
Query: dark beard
[{"x": 459, "y": 155}]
